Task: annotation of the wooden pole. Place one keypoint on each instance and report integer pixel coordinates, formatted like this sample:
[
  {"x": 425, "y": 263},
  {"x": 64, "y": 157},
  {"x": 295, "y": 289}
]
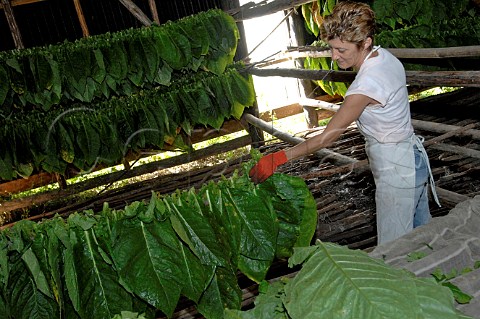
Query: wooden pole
[
  {"x": 401, "y": 53},
  {"x": 137, "y": 12},
  {"x": 153, "y": 10},
  {"x": 81, "y": 18},
  {"x": 323, "y": 153},
  {"x": 12, "y": 23},
  {"x": 421, "y": 78}
]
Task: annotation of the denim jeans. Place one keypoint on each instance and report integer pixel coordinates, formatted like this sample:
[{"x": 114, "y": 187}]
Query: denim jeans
[{"x": 422, "y": 211}]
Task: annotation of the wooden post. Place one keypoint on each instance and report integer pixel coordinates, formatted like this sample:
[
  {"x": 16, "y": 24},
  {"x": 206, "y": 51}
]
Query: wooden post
[
  {"x": 12, "y": 23},
  {"x": 297, "y": 37},
  {"x": 81, "y": 18},
  {"x": 153, "y": 9},
  {"x": 137, "y": 12}
]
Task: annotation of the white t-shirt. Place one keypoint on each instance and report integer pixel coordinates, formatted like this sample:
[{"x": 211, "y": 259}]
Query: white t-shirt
[{"x": 382, "y": 78}]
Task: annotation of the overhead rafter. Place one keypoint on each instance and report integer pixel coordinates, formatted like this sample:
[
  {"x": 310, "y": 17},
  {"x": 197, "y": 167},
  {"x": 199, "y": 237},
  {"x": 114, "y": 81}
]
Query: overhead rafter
[{"x": 14, "y": 3}]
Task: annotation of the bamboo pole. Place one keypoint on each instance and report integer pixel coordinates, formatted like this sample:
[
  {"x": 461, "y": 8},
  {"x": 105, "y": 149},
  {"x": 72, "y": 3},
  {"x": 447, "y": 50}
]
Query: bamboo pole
[
  {"x": 137, "y": 12},
  {"x": 81, "y": 18},
  {"x": 12, "y": 23}
]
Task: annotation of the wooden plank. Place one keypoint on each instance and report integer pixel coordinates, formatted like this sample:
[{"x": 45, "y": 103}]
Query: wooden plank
[
  {"x": 137, "y": 12},
  {"x": 12, "y": 23},
  {"x": 421, "y": 78},
  {"x": 81, "y": 18}
]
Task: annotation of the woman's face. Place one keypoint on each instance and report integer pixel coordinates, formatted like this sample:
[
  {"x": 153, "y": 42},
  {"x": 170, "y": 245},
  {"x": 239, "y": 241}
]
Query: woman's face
[{"x": 346, "y": 54}]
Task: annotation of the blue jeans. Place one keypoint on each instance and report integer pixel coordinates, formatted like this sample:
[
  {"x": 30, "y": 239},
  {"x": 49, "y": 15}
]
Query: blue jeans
[{"x": 422, "y": 211}]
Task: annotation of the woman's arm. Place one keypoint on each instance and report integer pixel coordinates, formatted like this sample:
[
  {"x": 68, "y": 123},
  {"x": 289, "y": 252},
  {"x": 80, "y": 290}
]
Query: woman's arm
[{"x": 350, "y": 110}]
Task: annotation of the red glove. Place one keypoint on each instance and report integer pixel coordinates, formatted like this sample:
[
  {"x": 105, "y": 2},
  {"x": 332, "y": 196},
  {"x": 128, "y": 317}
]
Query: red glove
[{"x": 267, "y": 165}]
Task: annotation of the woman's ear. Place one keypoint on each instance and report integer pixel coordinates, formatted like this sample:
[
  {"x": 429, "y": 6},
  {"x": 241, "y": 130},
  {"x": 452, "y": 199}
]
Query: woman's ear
[{"x": 367, "y": 43}]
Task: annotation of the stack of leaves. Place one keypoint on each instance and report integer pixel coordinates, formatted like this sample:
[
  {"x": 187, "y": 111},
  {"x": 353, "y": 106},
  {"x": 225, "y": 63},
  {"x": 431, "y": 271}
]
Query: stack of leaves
[
  {"x": 103, "y": 132},
  {"x": 113, "y": 64},
  {"x": 144, "y": 258},
  {"x": 79, "y": 104}
]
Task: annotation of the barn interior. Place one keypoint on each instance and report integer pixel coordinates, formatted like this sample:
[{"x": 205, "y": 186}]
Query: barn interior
[{"x": 338, "y": 178}]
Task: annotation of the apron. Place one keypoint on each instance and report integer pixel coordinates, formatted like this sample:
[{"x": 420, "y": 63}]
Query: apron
[{"x": 393, "y": 168}]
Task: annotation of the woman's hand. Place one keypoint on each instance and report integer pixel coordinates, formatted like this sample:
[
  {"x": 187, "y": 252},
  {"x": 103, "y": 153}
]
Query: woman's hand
[{"x": 266, "y": 166}]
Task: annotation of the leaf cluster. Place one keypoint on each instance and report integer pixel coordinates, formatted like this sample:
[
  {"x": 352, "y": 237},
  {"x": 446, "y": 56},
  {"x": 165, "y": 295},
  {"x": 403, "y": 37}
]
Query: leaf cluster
[
  {"x": 114, "y": 64},
  {"x": 84, "y": 136},
  {"x": 140, "y": 260}
]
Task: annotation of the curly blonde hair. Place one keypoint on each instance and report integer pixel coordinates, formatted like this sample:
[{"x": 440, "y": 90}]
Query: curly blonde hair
[{"x": 349, "y": 21}]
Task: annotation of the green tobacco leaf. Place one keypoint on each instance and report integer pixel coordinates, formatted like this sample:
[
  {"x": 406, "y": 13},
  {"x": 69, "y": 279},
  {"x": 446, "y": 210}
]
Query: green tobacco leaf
[
  {"x": 200, "y": 235},
  {"x": 152, "y": 56},
  {"x": 168, "y": 50},
  {"x": 24, "y": 300},
  {"x": 4, "y": 84},
  {"x": 222, "y": 292},
  {"x": 147, "y": 257},
  {"x": 98, "y": 292},
  {"x": 88, "y": 140},
  {"x": 259, "y": 230},
  {"x": 350, "y": 284},
  {"x": 268, "y": 304},
  {"x": 296, "y": 209}
]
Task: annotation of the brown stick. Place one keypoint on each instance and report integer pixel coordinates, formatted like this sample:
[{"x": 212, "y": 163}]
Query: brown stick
[
  {"x": 12, "y": 23},
  {"x": 449, "y": 134},
  {"x": 153, "y": 10},
  {"x": 443, "y": 128},
  {"x": 81, "y": 18}
]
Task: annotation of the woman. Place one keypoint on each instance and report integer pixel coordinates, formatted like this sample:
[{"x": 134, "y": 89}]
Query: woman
[{"x": 378, "y": 101}]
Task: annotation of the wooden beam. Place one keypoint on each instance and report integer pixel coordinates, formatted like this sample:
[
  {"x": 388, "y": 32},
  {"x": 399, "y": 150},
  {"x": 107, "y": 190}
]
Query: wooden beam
[
  {"x": 153, "y": 10},
  {"x": 12, "y": 23},
  {"x": 14, "y": 3},
  {"x": 421, "y": 78},
  {"x": 252, "y": 10},
  {"x": 81, "y": 18},
  {"x": 137, "y": 12}
]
